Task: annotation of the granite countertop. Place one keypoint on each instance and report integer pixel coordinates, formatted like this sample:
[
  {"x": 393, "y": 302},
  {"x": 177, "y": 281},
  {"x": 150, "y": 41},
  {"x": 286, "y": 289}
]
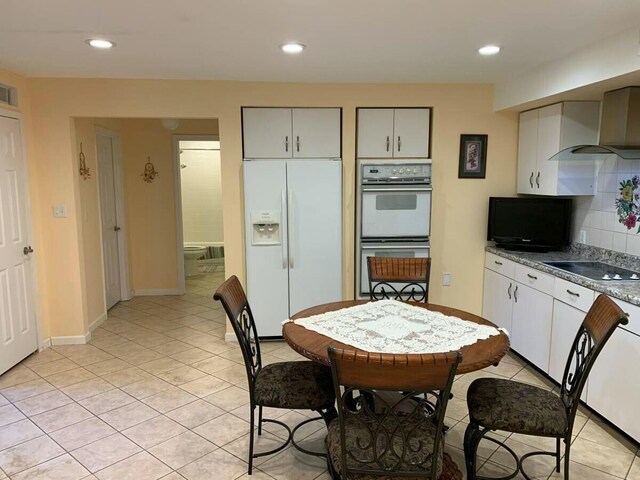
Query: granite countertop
[{"x": 628, "y": 291}]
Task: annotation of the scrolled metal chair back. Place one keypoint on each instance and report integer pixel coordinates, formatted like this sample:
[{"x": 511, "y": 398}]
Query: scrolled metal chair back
[
  {"x": 390, "y": 425},
  {"x": 405, "y": 279},
  {"x": 599, "y": 324},
  {"x": 234, "y": 301}
]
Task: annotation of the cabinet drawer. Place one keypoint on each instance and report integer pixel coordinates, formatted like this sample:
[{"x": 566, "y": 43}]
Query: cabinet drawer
[
  {"x": 634, "y": 315},
  {"x": 535, "y": 279},
  {"x": 500, "y": 265},
  {"x": 572, "y": 294}
]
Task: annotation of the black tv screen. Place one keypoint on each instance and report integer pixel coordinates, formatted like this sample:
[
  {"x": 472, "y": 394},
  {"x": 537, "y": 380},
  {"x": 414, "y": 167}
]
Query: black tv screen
[{"x": 539, "y": 224}]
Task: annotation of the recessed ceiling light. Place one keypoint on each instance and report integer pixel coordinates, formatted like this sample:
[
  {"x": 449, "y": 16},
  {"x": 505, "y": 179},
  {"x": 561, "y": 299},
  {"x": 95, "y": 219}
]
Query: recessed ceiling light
[
  {"x": 489, "y": 50},
  {"x": 100, "y": 43},
  {"x": 293, "y": 48}
]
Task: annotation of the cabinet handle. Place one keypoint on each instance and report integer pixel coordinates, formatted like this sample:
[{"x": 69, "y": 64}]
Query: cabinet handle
[
  {"x": 297, "y": 143},
  {"x": 538, "y": 180},
  {"x": 573, "y": 294},
  {"x": 286, "y": 143},
  {"x": 531, "y": 180},
  {"x": 497, "y": 262},
  {"x": 515, "y": 294},
  {"x": 509, "y": 290},
  {"x": 387, "y": 143},
  {"x": 532, "y": 277},
  {"x": 399, "y": 143}
]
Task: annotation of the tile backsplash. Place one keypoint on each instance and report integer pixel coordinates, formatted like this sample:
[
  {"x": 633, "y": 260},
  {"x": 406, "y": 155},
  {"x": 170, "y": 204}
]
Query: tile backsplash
[{"x": 596, "y": 215}]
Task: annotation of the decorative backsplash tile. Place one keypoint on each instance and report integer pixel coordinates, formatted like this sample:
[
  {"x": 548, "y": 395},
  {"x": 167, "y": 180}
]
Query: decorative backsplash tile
[{"x": 598, "y": 216}]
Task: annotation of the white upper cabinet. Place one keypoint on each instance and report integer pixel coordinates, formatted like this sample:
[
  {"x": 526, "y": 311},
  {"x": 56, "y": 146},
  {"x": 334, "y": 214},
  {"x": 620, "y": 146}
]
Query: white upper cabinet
[
  {"x": 546, "y": 131},
  {"x": 291, "y": 132},
  {"x": 393, "y": 132}
]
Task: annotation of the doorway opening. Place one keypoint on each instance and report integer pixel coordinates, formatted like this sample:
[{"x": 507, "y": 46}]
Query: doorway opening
[{"x": 199, "y": 212}]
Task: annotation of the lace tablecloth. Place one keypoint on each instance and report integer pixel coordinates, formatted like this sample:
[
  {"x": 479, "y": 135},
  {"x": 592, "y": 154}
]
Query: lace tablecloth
[{"x": 389, "y": 326}]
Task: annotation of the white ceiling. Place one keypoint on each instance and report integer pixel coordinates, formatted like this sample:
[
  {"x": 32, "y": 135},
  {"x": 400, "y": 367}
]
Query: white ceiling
[{"x": 348, "y": 40}]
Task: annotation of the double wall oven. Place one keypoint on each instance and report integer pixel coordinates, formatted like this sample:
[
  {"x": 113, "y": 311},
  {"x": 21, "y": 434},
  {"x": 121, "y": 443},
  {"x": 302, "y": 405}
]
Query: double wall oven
[{"x": 394, "y": 212}]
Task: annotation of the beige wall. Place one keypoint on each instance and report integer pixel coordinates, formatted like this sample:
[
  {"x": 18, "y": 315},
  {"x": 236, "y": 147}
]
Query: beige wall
[
  {"x": 459, "y": 206},
  {"x": 151, "y": 214},
  {"x": 201, "y": 187}
]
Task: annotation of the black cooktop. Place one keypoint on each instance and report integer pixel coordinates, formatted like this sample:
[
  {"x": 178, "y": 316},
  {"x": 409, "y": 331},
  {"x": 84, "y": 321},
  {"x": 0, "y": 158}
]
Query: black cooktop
[{"x": 596, "y": 270}]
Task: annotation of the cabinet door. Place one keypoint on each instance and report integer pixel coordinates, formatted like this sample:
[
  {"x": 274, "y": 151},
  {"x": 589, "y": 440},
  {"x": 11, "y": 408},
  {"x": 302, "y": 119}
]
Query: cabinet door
[
  {"x": 266, "y": 132},
  {"x": 613, "y": 392},
  {"x": 497, "y": 301},
  {"x": 375, "y": 133},
  {"x": 527, "y": 151},
  {"x": 531, "y": 325},
  {"x": 549, "y": 124},
  {"x": 566, "y": 321},
  {"x": 411, "y": 132},
  {"x": 316, "y": 133},
  {"x": 315, "y": 233}
]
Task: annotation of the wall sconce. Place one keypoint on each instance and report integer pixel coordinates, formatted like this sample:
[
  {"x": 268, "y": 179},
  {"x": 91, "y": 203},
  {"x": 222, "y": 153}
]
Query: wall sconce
[
  {"x": 84, "y": 170},
  {"x": 149, "y": 171}
]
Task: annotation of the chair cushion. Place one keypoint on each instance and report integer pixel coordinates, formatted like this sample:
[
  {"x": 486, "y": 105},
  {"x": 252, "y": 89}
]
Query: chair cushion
[
  {"x": 516, "y": 407},
  {"x": 297, "y": 385},
  {"x": 357, "y": 439}
]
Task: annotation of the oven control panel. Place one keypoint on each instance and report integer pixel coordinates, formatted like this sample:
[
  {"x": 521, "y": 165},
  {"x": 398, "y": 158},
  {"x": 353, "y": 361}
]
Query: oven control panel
[{"x": 409, "y": 172}]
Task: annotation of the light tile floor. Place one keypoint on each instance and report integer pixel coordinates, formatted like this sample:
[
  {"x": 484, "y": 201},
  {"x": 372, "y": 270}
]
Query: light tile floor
[{"x": 158, "y": 393}]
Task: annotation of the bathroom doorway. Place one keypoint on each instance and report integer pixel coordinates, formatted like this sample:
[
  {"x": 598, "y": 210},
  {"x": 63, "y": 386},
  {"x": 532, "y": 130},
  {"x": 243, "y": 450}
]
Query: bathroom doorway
[{"x": 199, "y": 211}]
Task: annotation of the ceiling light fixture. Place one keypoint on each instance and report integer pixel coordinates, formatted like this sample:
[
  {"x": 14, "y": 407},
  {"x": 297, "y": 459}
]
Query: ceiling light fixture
[
  {"x": 293, "y": 48},
  {"x": 100, "y": 43},
  {"x": 489, "y": 50}
]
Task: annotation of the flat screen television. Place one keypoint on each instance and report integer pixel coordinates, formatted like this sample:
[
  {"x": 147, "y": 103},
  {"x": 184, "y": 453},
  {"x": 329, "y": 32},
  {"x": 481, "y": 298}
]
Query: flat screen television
[{"x": 530, "y": 224}]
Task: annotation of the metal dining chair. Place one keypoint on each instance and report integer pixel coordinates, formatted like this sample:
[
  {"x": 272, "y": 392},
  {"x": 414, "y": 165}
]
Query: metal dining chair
[
  {"x": 399, "y": 278},
  {"x": 300, "y": 385},
  {"x": 382, "y": 433},
  {"x": 496, "y": 404}
]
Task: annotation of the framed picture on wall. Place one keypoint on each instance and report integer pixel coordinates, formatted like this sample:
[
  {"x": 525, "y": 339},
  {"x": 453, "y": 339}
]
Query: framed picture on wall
[{"x": 473, "y": 156}]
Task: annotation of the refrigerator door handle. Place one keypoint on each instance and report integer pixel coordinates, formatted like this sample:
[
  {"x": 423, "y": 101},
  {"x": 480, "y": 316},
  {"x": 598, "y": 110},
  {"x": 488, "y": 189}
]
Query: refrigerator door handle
[
  {"x": 290, "y": 227},
  {"x": 285, "y": 260}
]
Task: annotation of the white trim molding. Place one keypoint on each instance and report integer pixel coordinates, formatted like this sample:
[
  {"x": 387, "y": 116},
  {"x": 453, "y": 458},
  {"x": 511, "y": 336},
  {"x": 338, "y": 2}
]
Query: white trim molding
[
  {"x": 97, "y": 322},
  {"x": 230, "y": 337},
  {"x": 46, "y": 343},
  {"x": 71, "y": 340}
]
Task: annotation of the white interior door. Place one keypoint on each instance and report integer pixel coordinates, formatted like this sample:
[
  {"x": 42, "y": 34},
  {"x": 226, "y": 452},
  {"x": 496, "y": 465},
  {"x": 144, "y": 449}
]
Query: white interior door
[
  {"x": 108, "y": 217},
  {"x": 17, "y": 315},
  {"x": 315, "y": 233}
]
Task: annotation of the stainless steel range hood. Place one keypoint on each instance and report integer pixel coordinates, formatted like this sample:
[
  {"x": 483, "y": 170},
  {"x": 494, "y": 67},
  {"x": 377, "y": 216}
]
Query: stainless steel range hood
[{"x": 619, "y": 128}]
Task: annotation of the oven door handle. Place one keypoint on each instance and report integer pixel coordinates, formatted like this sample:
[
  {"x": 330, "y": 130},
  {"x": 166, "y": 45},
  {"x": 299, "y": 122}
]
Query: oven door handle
[
  {"x": 366, "y": 189},
  {"x": 395, "y": 247}
]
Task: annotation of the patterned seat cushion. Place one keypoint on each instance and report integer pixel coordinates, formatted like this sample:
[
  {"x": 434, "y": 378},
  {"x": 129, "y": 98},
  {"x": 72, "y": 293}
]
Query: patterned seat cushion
[
  {"x": 303, "y": 385},
  {"x": 516, "y": 407},
  {"x": 358, "y": 442}
]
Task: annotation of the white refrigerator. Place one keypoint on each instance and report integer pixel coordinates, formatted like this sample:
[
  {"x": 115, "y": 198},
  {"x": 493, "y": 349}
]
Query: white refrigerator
[{"x": 293, "y": 237}]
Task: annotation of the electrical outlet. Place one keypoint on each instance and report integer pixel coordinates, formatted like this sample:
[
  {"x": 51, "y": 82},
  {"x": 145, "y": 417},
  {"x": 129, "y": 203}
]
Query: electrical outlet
[
  {"x": 60, "y": 211},
  {"x": 582, "y": 237},
  {"x": 446, "y": 279}
]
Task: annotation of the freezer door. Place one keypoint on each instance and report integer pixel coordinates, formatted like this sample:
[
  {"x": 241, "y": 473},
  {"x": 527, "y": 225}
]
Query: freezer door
[
  {"x": 314, "y": 198},
  {"x": 265, "y": 190}
]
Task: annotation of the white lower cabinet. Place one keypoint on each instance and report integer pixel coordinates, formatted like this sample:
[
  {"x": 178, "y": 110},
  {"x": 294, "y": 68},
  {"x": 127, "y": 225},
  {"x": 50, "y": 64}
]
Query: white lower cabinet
[
  {"x": 519, "y": 300},
  {"x": 543, "y": 314},
  {"x": 613, "y": 387},
  {"x": 531, "y": 325},
  {"x": 497, "y": 306}
]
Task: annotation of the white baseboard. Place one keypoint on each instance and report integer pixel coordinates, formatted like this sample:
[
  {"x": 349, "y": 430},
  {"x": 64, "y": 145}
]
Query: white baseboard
[
  {"x": 97, "y": 322},
  {"x": 148, "y": 293},
  {"x": 230, "y": 337},
  {"x": 46, "y": 343},
  {"x": 71, "y": 340}
]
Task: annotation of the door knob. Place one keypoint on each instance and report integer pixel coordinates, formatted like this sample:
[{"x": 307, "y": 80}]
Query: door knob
[
  {"x": 27, "y": 250},
  {"x": 116, "y": 228}
]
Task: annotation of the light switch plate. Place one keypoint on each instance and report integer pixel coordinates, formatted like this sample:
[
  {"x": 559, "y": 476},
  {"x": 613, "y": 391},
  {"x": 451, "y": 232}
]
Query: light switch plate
[
  {"x": 60, "y": 211},
  {"x": 446, "y": 279}
]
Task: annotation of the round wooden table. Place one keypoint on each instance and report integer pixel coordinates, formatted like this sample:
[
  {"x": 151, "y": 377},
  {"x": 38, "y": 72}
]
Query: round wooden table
[{"x": 313, "y": 345}]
